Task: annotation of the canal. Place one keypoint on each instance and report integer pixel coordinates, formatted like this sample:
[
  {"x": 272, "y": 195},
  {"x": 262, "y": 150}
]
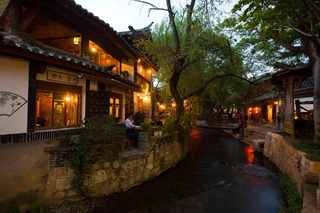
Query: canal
[{"x": 220, "y": 174}]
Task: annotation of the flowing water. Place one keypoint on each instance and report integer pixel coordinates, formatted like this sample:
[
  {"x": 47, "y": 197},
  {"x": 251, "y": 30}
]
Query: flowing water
[{"x": 219, "y": 175}]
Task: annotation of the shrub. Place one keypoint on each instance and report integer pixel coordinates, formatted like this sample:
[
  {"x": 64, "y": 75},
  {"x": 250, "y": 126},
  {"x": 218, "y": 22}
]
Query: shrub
[
  {"x": 170, "y": 124},
  {"x": 310, "y": 147},
  {"x": 145, "y": 126},
  {"x": 99, "y": 135},
  {"x": 293, "y": 198}
]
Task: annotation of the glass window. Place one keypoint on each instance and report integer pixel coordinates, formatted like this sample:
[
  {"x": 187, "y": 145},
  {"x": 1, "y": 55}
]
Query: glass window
[
  {"x": 115, "y": 105},
  {"x": 57, "y": 109}
]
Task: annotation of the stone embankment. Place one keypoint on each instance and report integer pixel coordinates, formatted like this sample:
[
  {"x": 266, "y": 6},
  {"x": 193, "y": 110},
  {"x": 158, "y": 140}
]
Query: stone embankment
[{"x": 155, "y": 154}]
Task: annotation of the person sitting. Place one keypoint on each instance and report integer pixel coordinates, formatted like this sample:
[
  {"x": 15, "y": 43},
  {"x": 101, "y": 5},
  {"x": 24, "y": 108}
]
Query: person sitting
[
  {"x": 130, "y": 131},
  {"x": 239, "y": 129},
  {"x": 158, "y": 122},
  {"x": 129, "y": 122},
  {"x": 41, "y": 121}
]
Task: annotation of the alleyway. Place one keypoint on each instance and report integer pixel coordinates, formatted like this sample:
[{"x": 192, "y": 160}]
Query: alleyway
[{"x": 220, "y": 174}]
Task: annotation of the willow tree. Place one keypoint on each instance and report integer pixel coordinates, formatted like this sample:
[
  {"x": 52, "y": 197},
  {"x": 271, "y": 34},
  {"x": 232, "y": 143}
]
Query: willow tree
[
  {"x": 284, "y": 33},
  {"x": 190, "y": 53}
]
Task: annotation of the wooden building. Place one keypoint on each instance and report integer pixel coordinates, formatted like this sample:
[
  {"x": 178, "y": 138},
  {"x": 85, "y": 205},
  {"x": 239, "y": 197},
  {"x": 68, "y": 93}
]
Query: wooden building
[{"x": 59, "y": 64}]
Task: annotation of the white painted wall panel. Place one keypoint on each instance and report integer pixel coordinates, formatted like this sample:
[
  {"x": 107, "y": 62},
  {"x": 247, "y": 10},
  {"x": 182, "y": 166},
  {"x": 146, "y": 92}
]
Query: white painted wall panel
[{"x": 13, "y": 95}]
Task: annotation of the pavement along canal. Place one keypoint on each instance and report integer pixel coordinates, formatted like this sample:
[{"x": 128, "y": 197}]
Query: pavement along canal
[{"x": 220, "y": 175}]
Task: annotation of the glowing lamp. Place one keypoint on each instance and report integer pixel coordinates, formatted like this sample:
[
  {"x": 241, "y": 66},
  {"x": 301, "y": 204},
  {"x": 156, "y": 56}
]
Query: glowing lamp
[{"x": 76, "y": 40}]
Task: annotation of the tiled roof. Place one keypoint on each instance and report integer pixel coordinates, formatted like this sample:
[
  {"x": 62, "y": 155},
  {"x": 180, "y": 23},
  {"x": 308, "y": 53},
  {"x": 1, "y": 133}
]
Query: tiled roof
[
  {"x": 267, "y": 96},
  {"x": 48, "y": 51},
  {"x": 103, "y": 24}
]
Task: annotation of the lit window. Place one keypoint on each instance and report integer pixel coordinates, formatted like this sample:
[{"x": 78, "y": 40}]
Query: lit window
[{"x": 57, "y": 109}]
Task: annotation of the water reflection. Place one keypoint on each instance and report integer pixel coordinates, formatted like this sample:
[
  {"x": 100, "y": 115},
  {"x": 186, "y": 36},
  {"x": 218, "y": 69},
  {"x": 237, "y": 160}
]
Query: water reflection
[
  {"x": 221, "y": 174},
  {"x": 249, "y": 152},
  {"x": 195, "y": 144}
]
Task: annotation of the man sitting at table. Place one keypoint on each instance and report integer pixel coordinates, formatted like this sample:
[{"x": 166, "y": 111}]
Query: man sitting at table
[
  {"x": 129, "y": 122},
  {"x": 131, "y": 133}
]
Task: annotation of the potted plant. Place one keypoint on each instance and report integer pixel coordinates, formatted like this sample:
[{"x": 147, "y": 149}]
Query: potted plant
[
  {"x": 158, "y": 131},
  {"x": 124, "y": 73}
]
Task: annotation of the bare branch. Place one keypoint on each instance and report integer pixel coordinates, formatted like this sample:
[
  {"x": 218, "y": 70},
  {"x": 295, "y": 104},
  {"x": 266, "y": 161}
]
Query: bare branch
[
  {"x": 200, "y": 90},
  {"x": 174, "y": 28},
  {"x": 153, "y": 7},
  {"x": 312, "y": 8},
  {"x": 301, "y": 32},
  {"x": 189, "y": 20},
  {"x": 288, "y": 46}
]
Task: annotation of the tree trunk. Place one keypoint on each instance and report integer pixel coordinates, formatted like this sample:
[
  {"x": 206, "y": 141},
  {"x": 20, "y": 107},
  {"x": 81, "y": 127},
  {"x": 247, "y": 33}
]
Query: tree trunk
[
  {"x": 174, "y": 80},
  {"x": 316, "y": 89}
]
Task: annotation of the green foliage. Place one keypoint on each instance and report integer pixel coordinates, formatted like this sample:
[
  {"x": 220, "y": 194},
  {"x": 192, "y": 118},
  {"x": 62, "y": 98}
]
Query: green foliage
[
  {"x": 170, "y": 124},
  {"x": 310, "y": 147},
  {"x": 293, "y": 198},
  {"x": 36, "y": 207},
  {"x": 81, "y": 158},
  {"x": 99, "y": 136},
  {"x": 12, "y": 208},
  {"x": 262, "y": 24},
  {"x": 206, "y": 53},
  {"x": 101, "y": 130},
  {"x": 284, "y": 134},
  {"x": 145, "y": 126},
  {"x": 188, "y": 119},
  {"x": 124, "y": 73}
]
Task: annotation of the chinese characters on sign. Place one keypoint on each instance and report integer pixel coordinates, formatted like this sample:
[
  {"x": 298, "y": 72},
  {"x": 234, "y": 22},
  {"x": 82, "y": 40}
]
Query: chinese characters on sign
[{"x": 62, "y": 77}]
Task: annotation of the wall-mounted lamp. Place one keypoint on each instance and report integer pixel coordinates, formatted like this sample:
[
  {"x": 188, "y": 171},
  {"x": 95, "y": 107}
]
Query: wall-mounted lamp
[{"x": 76, "y": 40}]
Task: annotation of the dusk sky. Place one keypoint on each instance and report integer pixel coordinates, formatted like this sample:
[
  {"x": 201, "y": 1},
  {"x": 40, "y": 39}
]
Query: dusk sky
[{"x": 122, "y": 13}]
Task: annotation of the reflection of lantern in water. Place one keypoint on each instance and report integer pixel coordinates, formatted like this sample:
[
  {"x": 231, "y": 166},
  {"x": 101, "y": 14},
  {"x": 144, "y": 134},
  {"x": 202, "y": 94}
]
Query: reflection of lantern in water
[{"x": 249, "y": 152}]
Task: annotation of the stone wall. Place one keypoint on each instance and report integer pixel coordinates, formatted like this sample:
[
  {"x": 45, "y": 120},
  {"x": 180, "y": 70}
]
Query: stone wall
[
  {"x": 132, "y": 168},
  {"x": 290, "y": 160},
  {"x": 41, "y": 171}
]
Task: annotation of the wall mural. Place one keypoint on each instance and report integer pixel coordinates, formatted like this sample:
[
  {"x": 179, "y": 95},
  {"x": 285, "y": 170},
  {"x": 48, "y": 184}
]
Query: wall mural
[{"x": 10, "y": 103}]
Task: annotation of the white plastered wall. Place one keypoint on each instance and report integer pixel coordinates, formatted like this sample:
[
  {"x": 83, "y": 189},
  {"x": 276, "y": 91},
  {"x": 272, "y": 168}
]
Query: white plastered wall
[{"x": 14, "y": 95}]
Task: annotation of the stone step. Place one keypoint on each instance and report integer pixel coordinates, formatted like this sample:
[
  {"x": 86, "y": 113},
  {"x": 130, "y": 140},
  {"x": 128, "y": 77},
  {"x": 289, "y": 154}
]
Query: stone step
[{"x": 258, "y": 144}]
